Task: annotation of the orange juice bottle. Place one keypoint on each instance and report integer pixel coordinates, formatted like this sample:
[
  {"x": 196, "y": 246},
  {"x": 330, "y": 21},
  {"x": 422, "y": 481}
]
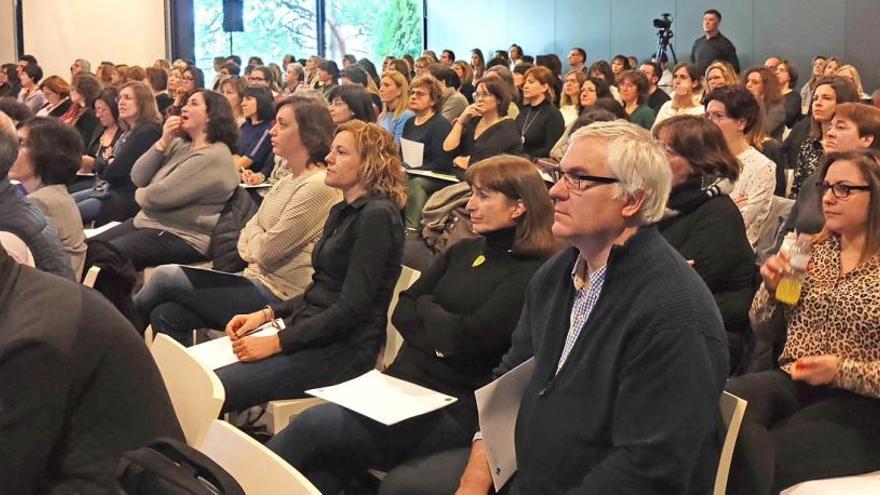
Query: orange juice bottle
[{"x": 789, "y": 289}]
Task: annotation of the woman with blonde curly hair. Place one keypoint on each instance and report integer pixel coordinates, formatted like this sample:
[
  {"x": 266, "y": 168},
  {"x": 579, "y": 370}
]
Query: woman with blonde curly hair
[
  {"x": 334, "y": 330},
  {"x": 720, "y": 74}
]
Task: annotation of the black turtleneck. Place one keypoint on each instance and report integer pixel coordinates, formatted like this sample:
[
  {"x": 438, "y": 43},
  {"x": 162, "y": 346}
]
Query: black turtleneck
[
  {"x": 456, "y": 320},
  {"x": 540, "y": 126}
]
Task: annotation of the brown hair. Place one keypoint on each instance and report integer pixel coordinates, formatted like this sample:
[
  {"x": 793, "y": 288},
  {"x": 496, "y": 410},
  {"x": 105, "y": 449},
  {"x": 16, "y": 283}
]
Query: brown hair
[
  {"x": 105, "y": 68},
  {"x": 158, "y": 78},
  {"x": 564, "y": 98},
  {"x": 315, "y": 125},
  {"x": 868, "y": 163},
  {"x": 516, "y": 178},
  {"x": 772, "y": 91},
  {"x": 136, "y": 73},
  {"x": 544, "y": 76},
  {"x": 56, "y": 85},
  {"x": 88, "y": 88},
  {"x": 693, "y": 72},
  {"x": 499, "y": 89},
  {"x": 381, "y": 166},
  {"x": 844, "y": 92},
  {"x": 468, "y": 71},
  {"x": 122, "y": 71},
  {"x": 146, "y": 104},
  {"x": 865, "y": 117},
  {"x": 639, "y": 79},
  {"x": 701, "y": 143},
  {"x": 434, "y": 87}
]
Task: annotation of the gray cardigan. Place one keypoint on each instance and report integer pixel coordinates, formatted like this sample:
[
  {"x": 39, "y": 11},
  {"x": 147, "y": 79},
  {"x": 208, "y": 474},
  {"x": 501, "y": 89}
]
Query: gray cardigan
[{"x": 182, "y": 191}]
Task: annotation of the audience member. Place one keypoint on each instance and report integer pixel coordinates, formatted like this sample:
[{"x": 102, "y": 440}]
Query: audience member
[
  {"x": 119, "y": 75},
  {"x": 57, "y": 94},
  {"x": 158, "y": 81},
  {"x": 178, "y": 89},
  {"x": 263, "y": 77},
  {"x": 30, "y": 94},
  {"x": 577, "y": 59},
  {"x": 10, "y": 84},
  {"x": 451, "y": 338},
  {"x": 816, "y": 415},
  {"x": 720, "y": 74},
  {"x": 633, "y": 87},
  {"x": 254, "y": 146},
  {"x": 48, "y": 158},
  {"x": 103, "y": 73},
  {"x": 570, "y": 102},
  {"x": 112, "y": 198},
  {"x": 685, "y": 87},
  {"x": 81, "y": 115},
  {"x": 484, "y": 129},
  {"x": 602, "y": 70},
  {"x": 584, "y": 119},
  {"x": 136, "y": 73},
  {"x": 713, "y": 45},
  {"x": 791, "y": 99},
  {"x": 656, "y": 96},
  {"x": 832, "y": 65},
  {"x": 184, "y": 181},
  {"x": 642, "y": 432},
  {"x": 350, "y": 102},
  {"x": 453, "y": 102},
  {"x": 619, "y": 65},
  {"x": 277, "y": 243},
  {"x": 806, "y": 143},
  {"x": 465, "y": 74},
  {"x": 540, "y": 122},
  {"x": 22, "y": 218},
  {"x": 816, "y": 73},
  {"x": 79, "y": 387},
  {"x": 233, "y": 89},
  {"x": 294, "y": 78},
  {"x": 106, "y": 110},
  {"x": 478, "y": 63},
  {"x": 333, "y": 332},
  {"x": 736, "y": 111},
  {"x": 772, "y": 63},
  {"x": 851, "y": 74},
  {"x": 17, "y": 111},
  {"x": 764, "y": 85},
  {"x": 394, "y": 92},
  {"x": 703, "y": 224},
  {"x": 327, "y": 77},
  {"x": 429, "y": 128}
]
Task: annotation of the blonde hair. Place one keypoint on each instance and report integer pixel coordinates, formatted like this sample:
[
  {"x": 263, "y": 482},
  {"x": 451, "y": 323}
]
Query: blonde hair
[
  {"x": 727, "y": 72},
  {"x": 856, "y": 78},
  {"x": 400, "y": 81},
  {"x": 381, "y": 167},
  {"x": 637, "y": 161},
  {"x": 468, "y": 71}
]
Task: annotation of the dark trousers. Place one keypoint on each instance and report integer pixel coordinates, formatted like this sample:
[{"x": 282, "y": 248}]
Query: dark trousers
[
  {"x": 793, "y": 432},
  {"x": 150, "y": 247},
  {"x": 178, "y": 299},
  {"x": 332, "y": 445},
  {"x": 289, "y": 375}
]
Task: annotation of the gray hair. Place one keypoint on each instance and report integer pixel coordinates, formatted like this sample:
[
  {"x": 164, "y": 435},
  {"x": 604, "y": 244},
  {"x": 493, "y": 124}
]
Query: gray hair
[
  {"x": 298, "y": 69},
  {"x": 85, "y": 64},
  {"x": 638, "y": 161},
  {"x": 8, "y": 144},
  {"x": 312, "y": 93}
]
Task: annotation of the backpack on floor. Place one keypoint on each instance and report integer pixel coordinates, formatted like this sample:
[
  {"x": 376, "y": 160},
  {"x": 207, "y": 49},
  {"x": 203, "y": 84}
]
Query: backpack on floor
[{"x": 171, "y": 467}]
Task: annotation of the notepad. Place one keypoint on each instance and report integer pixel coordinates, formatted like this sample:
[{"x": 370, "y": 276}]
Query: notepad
[
  {"x": 413, "y": 153},
  {"x": 217, "y": 353},
  {"x": 433, "y": 175},
  {"x": 99, "y": 230},
  {"x": 383, "y": 398}
]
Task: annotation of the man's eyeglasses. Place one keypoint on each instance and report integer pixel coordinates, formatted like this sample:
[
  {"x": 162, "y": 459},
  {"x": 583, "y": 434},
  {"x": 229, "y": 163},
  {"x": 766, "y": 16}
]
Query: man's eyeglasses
[
  {"x": 574, "y": 181},
  {"x": 839, "y": 190}
]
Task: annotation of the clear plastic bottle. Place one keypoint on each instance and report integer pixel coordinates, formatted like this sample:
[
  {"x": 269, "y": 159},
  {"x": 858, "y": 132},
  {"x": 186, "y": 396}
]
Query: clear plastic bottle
[{"x": 799, "y": 253}]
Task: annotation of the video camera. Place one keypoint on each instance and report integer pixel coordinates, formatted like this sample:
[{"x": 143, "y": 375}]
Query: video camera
[{"x": 665, "y": 21}]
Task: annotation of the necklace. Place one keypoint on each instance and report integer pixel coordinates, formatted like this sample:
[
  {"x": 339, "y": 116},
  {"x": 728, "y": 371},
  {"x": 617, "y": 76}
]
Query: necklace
[{"x": 527, "y": 122}]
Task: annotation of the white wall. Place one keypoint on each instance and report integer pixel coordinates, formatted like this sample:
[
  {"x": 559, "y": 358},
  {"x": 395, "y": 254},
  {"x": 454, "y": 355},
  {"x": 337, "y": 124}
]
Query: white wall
[
  {"x": 7, "y": 32},
  {"x": 122, "y": 31}
]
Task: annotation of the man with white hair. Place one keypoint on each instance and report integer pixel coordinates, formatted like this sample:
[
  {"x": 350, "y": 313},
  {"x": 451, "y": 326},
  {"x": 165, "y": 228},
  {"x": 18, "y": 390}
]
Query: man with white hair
[{"x": 629, "y": 347}]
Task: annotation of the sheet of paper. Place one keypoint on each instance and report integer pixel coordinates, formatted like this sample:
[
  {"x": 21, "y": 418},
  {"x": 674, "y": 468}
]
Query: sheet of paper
[
  {"x": 383, "y": 398},
  {"x": 255, "y": 186},
  {"x": 218, "y": 353},
  {"x": 100, "y": 230},
  {"x": 433, "y": 175},
  {"x": 85, "y": 174},
  {"x": 413, "y": 152},
  {"x": 498, "y": 406},
  {"x": 867, "y": 484}
]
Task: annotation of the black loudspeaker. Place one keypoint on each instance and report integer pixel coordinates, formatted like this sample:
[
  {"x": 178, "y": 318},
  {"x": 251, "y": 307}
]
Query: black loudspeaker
[{"x": 233, "y": 15}]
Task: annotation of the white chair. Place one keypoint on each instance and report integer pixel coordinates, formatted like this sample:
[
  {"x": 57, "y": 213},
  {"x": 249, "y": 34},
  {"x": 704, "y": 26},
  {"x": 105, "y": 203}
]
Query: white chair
[
  {"x": 866, "y": 484},
  {"x": 257, "y": 469},
  {"x": 91, "y": 276},
  {"x": 732, "y": 410},
  {"x": 196, "y": 393},
  {"x": 280, "y": 412}
]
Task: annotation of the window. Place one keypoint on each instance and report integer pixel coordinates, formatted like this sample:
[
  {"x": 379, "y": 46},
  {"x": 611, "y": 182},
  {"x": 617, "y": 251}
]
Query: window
[{"x": 274, "y": 28}]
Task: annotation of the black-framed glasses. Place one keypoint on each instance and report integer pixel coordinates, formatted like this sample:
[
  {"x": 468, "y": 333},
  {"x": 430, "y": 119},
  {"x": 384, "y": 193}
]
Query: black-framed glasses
[
  {"x": 839, "y": 190},
  {"x": 574, "y": 181}
]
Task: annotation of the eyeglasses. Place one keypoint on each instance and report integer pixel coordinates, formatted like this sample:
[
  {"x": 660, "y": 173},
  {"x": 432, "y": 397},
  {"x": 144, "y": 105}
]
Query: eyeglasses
[
  {"x": 257, "y": 79},
  {"x": 419, "y": 94},
  {"x": 839, "y": 190},
  {"x": 478, "y": 95},
  {"x": 577, "y": 182}
]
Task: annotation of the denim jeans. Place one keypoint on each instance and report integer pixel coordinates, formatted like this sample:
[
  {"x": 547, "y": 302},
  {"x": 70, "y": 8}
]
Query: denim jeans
[
  {"x": 332, "y": 445},
  {"x": 178, "y": 299}
]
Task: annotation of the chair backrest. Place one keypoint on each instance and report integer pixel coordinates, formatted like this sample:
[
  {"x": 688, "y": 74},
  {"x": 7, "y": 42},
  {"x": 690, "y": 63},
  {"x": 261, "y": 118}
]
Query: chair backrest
[
  {"x": 257, "y": 469},
  {"x": 732, "y": 410},
  {"x": 196, "y": 393},
  {"x": 393, "y": 339}
]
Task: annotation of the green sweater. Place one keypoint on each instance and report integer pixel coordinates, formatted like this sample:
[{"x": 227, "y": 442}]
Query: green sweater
[{"x": 643, "y": 116}]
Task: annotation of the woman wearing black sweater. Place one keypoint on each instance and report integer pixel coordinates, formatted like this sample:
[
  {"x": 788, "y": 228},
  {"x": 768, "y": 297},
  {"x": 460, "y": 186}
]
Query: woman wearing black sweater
[
  {"x": 540, "y": 122},
  {"x": 452, "y": 337},
  {"x": 704, "y": 224},
  {"x": 112, "y": 197},
  {"x": 429, "y": 128}
]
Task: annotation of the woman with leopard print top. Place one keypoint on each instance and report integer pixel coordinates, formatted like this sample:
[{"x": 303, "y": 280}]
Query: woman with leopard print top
[{"x": 818, "y": 415}]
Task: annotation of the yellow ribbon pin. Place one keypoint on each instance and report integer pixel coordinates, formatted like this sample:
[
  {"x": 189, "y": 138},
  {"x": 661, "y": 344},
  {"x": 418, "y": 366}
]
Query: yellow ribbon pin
[{"x": 478, "y": 261}]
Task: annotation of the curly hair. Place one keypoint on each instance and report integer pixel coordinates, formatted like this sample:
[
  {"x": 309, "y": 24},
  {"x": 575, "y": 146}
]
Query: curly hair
[
  {"x": 381, "y": 166},
  {"x": 221, "y": 126}
]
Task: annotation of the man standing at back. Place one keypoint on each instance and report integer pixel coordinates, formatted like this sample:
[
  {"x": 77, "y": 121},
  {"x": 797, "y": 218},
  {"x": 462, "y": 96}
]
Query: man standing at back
[
  {"x": 630, "y": 350},
  {"x": 713, "y": 45}
]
